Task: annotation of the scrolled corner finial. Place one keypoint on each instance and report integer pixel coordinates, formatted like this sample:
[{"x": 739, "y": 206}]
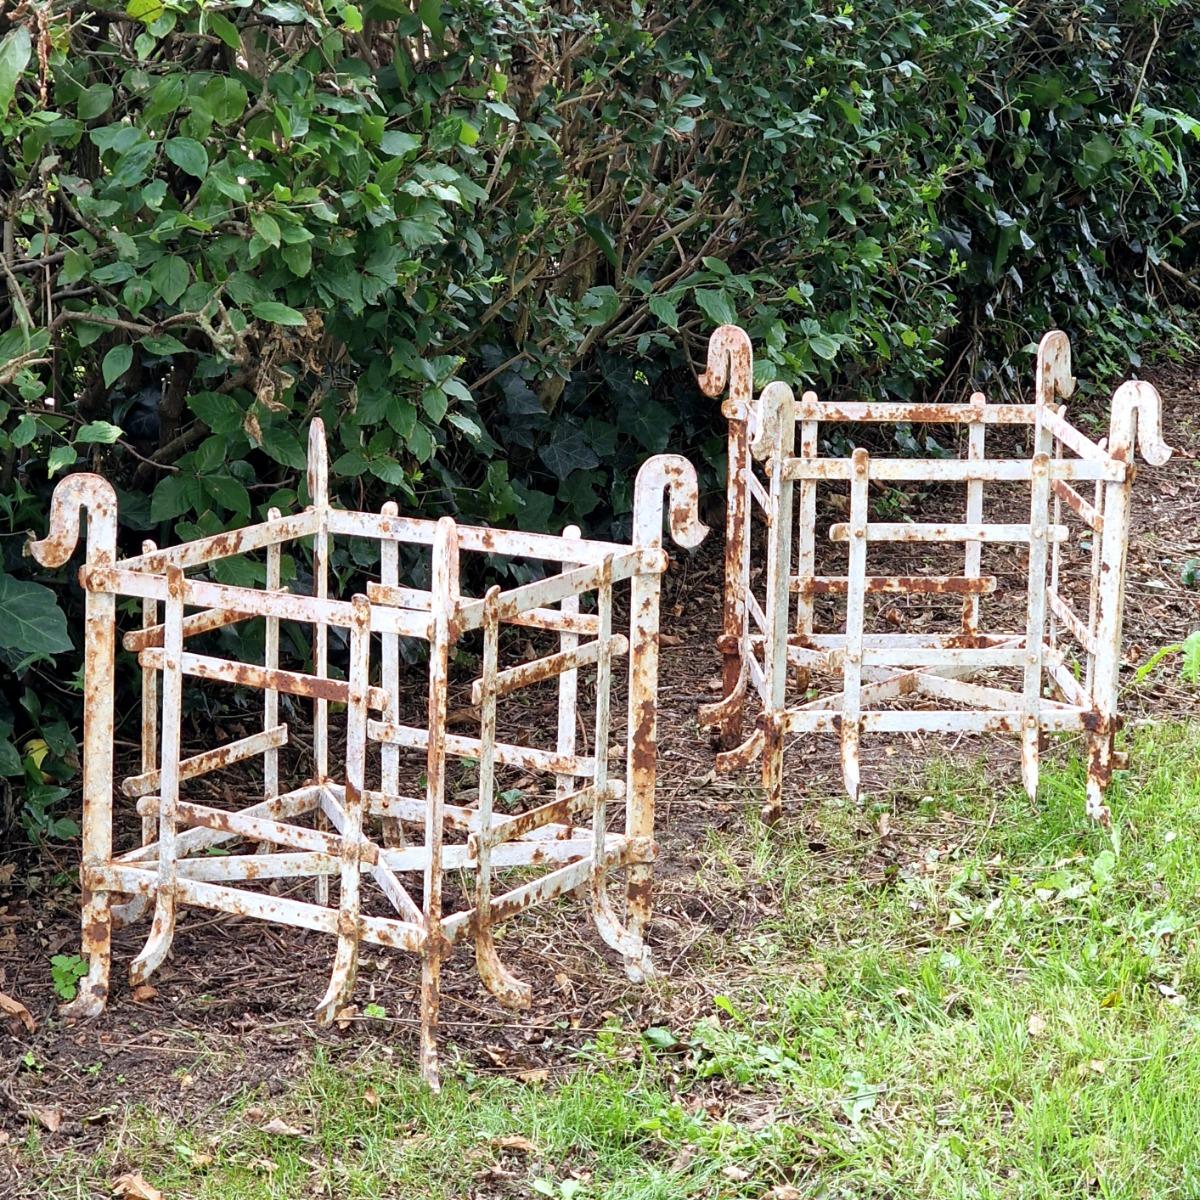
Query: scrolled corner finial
[
  {"x": 730, "y": 362},
  {"x": 82, "y": 491},
  {"x": 661, "y": 477},
  {"x": 1137, "y": 410},
  {"x": 773, "y": 421},
  {"x": 1054, "y": 378}
]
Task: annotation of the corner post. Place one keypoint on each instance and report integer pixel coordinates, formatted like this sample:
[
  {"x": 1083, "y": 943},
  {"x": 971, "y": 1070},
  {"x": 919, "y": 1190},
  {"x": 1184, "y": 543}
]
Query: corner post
[
  {"x": 1136, "y": 415},
  {"x": 731, "y": 361},
  {"x": 96, "y": 496},
  {"x": 663, "y": 473}
]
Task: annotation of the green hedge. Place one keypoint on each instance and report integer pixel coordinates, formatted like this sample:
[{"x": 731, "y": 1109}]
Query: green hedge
[{"x": 487, "y": 240}]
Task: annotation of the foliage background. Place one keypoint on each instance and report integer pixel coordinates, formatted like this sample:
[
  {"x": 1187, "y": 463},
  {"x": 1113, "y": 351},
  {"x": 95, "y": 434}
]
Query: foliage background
[{"x": 486, "y": 240}]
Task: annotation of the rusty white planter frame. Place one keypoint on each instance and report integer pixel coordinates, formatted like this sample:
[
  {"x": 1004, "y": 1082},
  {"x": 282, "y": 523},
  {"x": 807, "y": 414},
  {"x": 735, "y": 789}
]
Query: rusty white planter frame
[
  {"x": 1075, "y": 656},
  {"x": 320, "y": 828}
]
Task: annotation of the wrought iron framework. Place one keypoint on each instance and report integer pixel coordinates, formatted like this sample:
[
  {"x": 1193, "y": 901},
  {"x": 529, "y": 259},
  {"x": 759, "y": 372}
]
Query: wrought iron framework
[
  {"x": 335, "y": 823},
  {"x": 852, "y": 677}
]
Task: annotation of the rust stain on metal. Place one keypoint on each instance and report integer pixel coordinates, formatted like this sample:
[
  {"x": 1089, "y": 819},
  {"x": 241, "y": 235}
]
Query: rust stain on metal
[
  {"x": 332, "y": 823},
  {"x": 852, "y": 669}
]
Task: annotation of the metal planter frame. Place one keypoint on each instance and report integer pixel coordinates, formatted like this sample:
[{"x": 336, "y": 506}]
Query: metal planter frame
[
  {"x": 322, "y": 827},
  {"x": 1074, "y": 657}
]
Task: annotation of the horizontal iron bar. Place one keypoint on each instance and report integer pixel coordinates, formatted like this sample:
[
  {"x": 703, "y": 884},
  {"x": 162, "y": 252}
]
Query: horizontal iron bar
[
  {"x": 1052, "y": 720},
  {"x": 287, "y": 606},
  {"x": 559, "y": 811},
  {"x": 587, "y": 624},
  {"x": 193, "y": 626},
  {"x": 538, "y": 670},
  {"x": 511, "y": 542},
  {"x": 211, "y": 760},
  {"x": 258, "y": 829},
  {"x": 379, "y": 931},
  {"x": 462, "y": 924},
  {"x": 217, "y": 867},
  {"x": 938, "y": 414},
  {"x": 950, "y": 470},
  {"x": 292, "y": 683},
  {"x": 903, "y": 531},
  {"x": 555, "y": 588},
  {"x": 224, "y": 545},
  {"x": 525, "y": 757},
  {"x": 936, "y": 585},
  {"x": 539, "y": 853},
  {"x": 286, "y": 807}
]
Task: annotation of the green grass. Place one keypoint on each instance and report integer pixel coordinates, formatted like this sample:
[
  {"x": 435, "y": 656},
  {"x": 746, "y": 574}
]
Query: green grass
[{"x": 1007, "y": 1008}]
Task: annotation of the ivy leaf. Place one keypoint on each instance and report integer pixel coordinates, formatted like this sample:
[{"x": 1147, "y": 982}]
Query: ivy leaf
[
  {"x": 14, "y": 57},
  {"x": 188, "y": 155},
  {"x": 169, "y": 277},
  {"x": 30, "y": 620},
  {"x": 277, "y": 314},
  {"x": 116, "y": 362},
  {"x": 569, "y": 451}
]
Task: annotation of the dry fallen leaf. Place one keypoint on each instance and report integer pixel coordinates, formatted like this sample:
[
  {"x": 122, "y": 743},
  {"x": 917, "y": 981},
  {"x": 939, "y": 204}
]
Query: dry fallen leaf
[
  {"x": 14, "y": 1008},
  {"x": 515, "y": 1142},
  {"x": 737, "y": 1174},
  {"x": 277, "y": 1125},
  {"x": 49, "y": 1118},
  {"x": 133, "y": 1186}
]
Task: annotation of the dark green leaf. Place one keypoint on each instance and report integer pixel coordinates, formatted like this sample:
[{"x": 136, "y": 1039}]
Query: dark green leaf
[
  {"x": 116, "y": 362},
  {"x": 30, "y": 620},
  {"x": 188, "y": 155},
  {"x": 277, "y": 314}
]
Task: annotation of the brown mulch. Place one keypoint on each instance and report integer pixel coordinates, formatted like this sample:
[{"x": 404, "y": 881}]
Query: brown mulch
[{"x": 231, "y": 1009}]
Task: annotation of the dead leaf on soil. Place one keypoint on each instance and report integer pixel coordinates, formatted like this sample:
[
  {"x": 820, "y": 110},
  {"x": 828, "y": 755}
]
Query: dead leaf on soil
[
  {"x": 47, "y": 1117},
  {"x": 737, "y": 1174},
  {"x": 279, "y": 1127},
  {"x": 18, "y": 1011},
  {"x": 133, "y": 1186},
  {"x": 516, "y": 1142}
]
